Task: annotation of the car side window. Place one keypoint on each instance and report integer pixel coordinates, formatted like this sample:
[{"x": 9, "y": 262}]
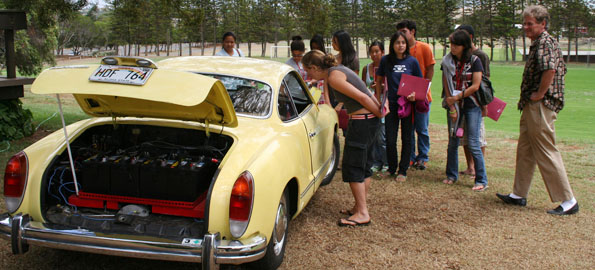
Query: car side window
[
  {"x": 297, "y": 91},
  {"x": 285, "y": 106}
]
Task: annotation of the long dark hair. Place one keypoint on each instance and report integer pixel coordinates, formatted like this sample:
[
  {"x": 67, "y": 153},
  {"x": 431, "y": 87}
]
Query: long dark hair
[
  {"x": 346, "y": 48},
  {"x": 392, "y": 54},
  {"x": 318, "y": 39},
  {"x": 462, "y": 38}
]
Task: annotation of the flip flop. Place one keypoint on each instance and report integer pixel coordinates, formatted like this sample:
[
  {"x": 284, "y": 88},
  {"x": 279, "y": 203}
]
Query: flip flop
[
  {"x": 355, "y": 223},
  {"x": 449, "y": 181},
  {"x": 346, "y": 212},
  {"x": 479, "y": 188}
]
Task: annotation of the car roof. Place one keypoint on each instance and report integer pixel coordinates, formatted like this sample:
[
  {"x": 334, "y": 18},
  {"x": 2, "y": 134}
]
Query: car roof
[{"x": 268, "y": 71}]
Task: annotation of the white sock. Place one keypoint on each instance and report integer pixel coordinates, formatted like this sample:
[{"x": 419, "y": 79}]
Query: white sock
[
  {"x": 514, "y": 196},
  {"x": 566, "y": 205}
]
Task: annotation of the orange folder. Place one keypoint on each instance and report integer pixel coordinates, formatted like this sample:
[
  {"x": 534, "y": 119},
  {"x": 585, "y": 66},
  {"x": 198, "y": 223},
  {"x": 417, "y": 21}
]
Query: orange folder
[
  {"x": 495, "y": 108},
  {"x": 410, "y": 83}
]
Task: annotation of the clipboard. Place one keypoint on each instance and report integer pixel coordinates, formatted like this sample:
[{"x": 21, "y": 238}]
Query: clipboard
[
  {"x": 495, "y": 108},
  {"x": 410, "y": 83}
]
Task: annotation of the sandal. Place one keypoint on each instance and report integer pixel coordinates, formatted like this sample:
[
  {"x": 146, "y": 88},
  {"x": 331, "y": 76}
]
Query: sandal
[
  {"x": 346, "y": 212},
  {"x": 449, "y": 181},
  {"x": 479, "y": 188},
  {"x": 401, "y": 178}
]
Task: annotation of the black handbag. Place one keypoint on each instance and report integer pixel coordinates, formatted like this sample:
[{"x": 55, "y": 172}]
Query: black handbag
[{"x": 485, "y": 94}]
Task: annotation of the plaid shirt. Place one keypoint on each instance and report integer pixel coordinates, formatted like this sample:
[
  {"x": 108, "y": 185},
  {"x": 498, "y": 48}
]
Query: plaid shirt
[{"x": 544, "y": 54}]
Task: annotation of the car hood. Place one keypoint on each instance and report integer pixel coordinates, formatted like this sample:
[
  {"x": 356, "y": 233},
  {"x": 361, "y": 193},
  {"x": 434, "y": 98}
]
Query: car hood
[{"x": 169, "y": 94}]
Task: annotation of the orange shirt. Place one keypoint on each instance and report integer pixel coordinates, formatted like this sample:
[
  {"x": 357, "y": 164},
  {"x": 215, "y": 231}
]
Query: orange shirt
[{"x": 423, "y": 53}]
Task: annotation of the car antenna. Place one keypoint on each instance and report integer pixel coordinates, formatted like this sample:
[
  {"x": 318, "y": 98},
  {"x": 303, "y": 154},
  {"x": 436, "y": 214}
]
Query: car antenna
[{"x": 76, "y": 187}]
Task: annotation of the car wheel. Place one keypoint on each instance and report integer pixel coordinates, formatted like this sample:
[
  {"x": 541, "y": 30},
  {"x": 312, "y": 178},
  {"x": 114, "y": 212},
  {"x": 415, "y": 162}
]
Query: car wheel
[
  {"x": 276, "y": 247},
  {"x": 334, "y": 162}
]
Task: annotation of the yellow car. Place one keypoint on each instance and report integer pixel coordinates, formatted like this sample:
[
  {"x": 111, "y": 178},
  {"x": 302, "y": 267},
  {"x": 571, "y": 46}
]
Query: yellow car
[{"x": 194, "y": 159}]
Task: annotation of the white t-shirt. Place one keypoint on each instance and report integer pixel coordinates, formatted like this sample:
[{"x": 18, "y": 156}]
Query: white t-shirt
[{"x": 236, "y": 53}]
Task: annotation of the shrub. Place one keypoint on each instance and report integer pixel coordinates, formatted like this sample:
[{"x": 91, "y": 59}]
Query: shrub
[{"x": 16, "y": 122}]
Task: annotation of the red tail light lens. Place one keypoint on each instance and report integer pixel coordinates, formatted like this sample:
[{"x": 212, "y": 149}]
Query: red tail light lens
[
  {"x": 240, "y": 204},
  {"x": 15, "y": 176}
]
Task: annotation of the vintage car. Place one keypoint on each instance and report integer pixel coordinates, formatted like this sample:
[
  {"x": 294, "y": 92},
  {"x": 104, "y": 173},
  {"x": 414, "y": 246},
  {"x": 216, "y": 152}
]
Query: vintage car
[{"x": 193, "y": 159}]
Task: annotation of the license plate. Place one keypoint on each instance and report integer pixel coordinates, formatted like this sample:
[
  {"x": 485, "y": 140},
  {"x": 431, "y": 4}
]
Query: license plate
[{"x": 121, "y": 74}]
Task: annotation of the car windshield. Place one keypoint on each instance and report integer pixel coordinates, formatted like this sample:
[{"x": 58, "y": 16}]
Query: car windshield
[{"x": 249, "y": 97}]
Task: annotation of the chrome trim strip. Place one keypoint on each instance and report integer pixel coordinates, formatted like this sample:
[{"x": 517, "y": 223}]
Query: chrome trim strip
[
  {"x": 223, "y": 251},
  {"x": 317, "y": 178}
]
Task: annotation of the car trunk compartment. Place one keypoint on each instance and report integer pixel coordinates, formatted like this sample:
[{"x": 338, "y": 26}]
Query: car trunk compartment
[{"x": 165, "y": 170}]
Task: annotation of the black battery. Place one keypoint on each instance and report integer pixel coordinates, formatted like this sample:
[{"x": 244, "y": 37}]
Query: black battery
[
  {"x": 174, "y": 180},
  {"x": 124, "y": 177},
  {"x": 95, "y": 175}
]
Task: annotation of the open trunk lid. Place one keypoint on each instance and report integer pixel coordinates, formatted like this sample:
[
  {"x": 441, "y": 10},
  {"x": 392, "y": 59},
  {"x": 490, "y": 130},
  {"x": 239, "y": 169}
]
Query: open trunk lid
[{"x": 168, "y": 94}]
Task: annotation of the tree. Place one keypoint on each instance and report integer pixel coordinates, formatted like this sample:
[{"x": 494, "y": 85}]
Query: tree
[{"x": 35, "y": 47}]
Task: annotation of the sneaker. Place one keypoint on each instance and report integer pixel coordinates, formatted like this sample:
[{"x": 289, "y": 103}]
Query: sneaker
[
  {"x": 375, "y": 168},
  {"x": 412, "y": 164}
]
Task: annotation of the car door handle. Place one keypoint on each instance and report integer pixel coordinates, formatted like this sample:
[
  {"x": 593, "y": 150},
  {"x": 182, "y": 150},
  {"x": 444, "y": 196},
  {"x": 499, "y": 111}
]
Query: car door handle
[{"x": 312, "y": 134}]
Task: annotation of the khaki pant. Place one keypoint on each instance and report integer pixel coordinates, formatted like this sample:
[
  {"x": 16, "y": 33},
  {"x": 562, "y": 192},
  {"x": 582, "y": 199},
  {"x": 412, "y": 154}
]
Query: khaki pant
[{"x": 537, "y": 146}]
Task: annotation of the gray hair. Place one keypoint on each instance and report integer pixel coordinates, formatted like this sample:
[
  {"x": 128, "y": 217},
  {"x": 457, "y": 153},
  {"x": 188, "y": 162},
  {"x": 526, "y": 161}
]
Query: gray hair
[{"x": 539, "y": 13}]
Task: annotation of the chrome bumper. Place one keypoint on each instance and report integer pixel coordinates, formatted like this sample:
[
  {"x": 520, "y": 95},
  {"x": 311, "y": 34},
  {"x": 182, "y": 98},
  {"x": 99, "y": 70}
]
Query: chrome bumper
[{"x": 210, "y": 251}]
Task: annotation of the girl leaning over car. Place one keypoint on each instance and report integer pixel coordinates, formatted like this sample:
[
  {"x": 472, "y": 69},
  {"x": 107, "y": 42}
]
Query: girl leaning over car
[{"x": 364, "y": 118}]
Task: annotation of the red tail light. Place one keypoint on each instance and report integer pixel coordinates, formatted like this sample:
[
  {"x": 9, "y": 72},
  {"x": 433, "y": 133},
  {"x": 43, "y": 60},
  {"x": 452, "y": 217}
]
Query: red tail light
[
  {"x": 240, "y": 204},
  {"x": 15, "y": 176}
]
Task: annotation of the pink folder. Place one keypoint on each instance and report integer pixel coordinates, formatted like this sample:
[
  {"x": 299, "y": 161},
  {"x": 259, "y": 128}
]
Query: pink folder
[
  {"x": 409, "y": 84},
  {"x": 495, "y": 108}
]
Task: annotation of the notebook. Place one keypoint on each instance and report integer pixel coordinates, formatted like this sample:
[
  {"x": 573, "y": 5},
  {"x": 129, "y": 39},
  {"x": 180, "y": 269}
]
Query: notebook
[
  {"x": 495, "y": 108},
  {"x": 410, "y": 83}
]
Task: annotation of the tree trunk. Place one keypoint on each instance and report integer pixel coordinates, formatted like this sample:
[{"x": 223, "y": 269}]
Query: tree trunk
[
  {"x": 576, "y": 47},
  {"x": 214, "y": 38},
  {"x": 569, "y": 46},
  {"x": 202, "y": 39},
  {"x": 514, "y": 49},
  {"x": 249, "y": 48}
]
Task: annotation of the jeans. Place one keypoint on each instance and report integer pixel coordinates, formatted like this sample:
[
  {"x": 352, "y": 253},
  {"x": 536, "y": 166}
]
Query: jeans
[
  {"x": 392, "y": 127},
  {"x": 420, "y": 123},
  {"x": 379, "y": 156},
  {"x": 472, "y": 123}
]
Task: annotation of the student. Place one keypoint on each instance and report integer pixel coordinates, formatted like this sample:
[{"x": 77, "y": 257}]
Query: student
[
  {"x": 317, "y": 43},
  {"x": 423, "y": 53},
  {"x": 364, "y": 114},
  {"x": 342, "y": 43},
  {"x": 485, "y": 61},
  {"x": 229, "y": 46},
  {"x": 461, "y": 77},
  {"x": 376, "y": 51},
  {"x": 392, "y": 66},
  {"x": 297, "y": 52}
]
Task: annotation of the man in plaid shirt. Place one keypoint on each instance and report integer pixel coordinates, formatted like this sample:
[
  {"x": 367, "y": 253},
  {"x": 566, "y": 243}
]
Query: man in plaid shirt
[{"x": 542, "y": 97}]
